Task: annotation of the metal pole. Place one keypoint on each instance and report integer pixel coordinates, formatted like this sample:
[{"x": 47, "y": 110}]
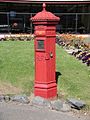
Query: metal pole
[
  {"x": 8, "y": 22},
  {"x": 31, "y": 25},
  {"x": 66, "y": 23},
  {"x": 76, "y": 23},
  {"x": 24, "y": 22}
]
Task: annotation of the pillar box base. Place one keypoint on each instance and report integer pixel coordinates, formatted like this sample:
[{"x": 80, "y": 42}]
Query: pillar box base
[{"x": 47, "y": 91}]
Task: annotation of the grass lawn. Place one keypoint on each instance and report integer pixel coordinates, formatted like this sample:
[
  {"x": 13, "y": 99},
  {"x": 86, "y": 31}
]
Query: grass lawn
[
  {"x": 16, "y": 64},
  {"x": 17, "y": 69},
  {"x": 75, "y": 77}
]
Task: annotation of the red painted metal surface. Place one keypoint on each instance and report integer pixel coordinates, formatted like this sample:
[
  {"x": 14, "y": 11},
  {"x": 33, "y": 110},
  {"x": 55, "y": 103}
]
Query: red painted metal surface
[{"x": 45, "y": 35}]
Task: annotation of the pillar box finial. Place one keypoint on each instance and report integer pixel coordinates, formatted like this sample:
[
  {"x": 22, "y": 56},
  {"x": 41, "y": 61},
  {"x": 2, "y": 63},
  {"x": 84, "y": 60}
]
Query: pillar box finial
[{"x": 44, "y": 6}]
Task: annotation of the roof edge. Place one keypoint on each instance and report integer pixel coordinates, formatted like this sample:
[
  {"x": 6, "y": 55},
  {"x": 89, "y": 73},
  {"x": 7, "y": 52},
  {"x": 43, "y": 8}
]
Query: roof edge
[{"x": 49, "y": 2}]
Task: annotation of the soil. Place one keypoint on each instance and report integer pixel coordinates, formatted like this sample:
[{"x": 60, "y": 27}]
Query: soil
[{"x": 9, "y": 89}]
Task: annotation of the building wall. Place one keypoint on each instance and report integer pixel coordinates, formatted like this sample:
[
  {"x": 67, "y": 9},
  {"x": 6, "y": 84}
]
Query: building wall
[{"x": 73, "y": 16}]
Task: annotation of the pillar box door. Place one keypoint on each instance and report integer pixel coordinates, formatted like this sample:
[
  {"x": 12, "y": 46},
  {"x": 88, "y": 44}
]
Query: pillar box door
[{"x": 45, "y": 35}]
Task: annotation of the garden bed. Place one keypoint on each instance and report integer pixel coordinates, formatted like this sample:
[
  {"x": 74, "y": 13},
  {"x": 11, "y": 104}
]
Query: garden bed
[{"x": 76, "y": 45}]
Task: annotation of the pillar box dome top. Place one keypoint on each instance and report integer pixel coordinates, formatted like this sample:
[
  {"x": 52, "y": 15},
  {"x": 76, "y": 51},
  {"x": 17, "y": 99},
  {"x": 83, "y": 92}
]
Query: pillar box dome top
[{"x": 44, "y": 15}]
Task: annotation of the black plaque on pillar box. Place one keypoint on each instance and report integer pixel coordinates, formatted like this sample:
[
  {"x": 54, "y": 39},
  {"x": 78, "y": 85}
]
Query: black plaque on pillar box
[{"x": 40, "y": 44}]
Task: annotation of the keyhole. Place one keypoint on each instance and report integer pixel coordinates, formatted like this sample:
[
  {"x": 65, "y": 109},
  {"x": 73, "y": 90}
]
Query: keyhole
[{"x": 51, "y": 55}]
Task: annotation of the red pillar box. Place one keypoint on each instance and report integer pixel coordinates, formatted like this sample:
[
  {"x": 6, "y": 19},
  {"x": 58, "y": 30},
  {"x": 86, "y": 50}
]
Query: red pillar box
[{"x": 45, "y": 35}]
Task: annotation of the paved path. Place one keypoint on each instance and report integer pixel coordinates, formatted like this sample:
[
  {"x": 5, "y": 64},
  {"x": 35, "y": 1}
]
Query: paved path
[{"x": 27, "y": 112}]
